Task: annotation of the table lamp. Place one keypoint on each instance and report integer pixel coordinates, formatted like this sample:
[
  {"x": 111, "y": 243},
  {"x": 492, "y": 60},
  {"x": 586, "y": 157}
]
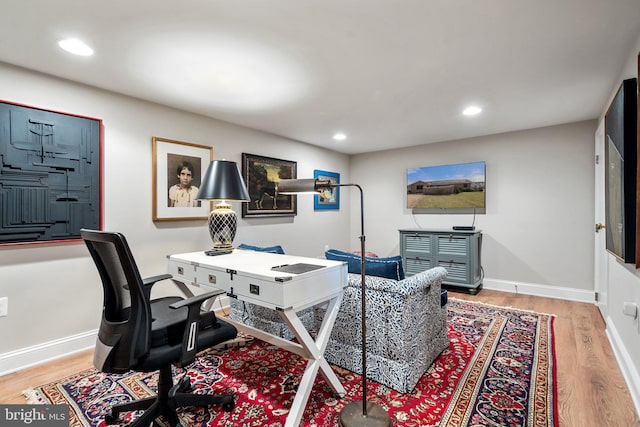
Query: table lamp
[
  {"x": 223, "y": 182},
  {"x": 371, "y": 414}
]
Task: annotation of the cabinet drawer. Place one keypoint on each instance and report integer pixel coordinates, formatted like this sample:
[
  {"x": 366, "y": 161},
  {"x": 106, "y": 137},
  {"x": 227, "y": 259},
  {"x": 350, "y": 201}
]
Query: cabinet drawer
[
  {"x": 415, "y": 266},
  {"x": 456, "y": 271},
  {"x": 417, "y": 243},
  {"x": 453, "y": 245}
]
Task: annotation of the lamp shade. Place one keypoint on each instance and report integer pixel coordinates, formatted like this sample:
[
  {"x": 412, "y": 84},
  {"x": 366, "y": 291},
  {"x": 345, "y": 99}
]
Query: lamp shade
[{"x": 223, "y": 181}]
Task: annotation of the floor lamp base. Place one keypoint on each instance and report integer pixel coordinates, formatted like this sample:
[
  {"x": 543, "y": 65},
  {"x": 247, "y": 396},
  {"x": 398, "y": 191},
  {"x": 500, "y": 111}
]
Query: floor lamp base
[{"x": 351, "y": 415}]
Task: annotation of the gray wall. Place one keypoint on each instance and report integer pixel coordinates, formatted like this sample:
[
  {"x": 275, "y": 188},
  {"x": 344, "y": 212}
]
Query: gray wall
[
  {"x": 54, "y": 289},
  {"x": 538, "y": 226},
  {"x": 624, "y": 281}
]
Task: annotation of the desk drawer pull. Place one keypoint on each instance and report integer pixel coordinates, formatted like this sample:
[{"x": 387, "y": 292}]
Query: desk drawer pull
[
  {"x": 212, "y": 279},
  {"x": 181, "y": 271}
]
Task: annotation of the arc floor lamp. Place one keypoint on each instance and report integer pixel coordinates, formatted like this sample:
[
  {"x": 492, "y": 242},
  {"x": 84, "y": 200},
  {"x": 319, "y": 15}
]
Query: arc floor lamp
[{"x": 355, "y": 413}]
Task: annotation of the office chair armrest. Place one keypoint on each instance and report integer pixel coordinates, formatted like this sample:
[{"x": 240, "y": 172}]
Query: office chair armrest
[
  {"x": 200, "y": 298},
  {"x": 150, "y": 281},
  {"x": 190, "y": 337}
]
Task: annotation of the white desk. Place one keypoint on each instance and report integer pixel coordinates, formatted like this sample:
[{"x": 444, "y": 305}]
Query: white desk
[{"x": 248, "y": 276}]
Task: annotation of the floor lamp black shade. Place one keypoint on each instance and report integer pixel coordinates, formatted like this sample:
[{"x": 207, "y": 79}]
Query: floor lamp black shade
[
  {"x": 355, "y": 413},
  {"x": 223, "y": 182}
]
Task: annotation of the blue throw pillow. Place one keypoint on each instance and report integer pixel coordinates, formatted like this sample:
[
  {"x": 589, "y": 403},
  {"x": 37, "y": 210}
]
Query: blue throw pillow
[
  {"x": 271, "y": 249},
  {"x": 390, "y": 267},
  {"x": 444, "y": 297}
]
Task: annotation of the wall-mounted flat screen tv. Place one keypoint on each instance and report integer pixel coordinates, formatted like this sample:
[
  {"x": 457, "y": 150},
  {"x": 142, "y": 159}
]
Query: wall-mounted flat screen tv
[{"x": 457, "y": 188}]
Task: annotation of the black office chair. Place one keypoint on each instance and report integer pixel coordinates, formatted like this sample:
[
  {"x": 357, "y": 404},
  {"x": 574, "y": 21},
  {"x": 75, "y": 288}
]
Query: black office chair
[{"x": 141, "y": 334}]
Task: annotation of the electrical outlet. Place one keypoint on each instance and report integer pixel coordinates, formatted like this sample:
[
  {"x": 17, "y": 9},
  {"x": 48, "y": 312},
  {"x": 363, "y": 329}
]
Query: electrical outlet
[{"x": 4, "y": 306}]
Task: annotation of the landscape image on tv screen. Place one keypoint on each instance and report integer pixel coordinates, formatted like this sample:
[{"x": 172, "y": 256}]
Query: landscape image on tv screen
[{"x": 458, "y": 188}]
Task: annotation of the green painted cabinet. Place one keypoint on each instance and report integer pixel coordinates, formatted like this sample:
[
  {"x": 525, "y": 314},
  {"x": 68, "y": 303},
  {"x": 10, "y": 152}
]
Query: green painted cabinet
[{"x": 457, "y": 251}]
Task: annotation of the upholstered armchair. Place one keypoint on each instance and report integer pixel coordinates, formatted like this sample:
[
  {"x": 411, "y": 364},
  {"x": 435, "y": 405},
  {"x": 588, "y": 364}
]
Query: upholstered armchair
[
  {"x": 406, "y": 322},
  {"x": 406, "y": 328}
]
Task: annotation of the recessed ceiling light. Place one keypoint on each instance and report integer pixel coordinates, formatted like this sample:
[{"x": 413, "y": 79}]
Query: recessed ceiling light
[
  {"x": 472, "y": 110},
  {"x": 75, "y": 46},
  {"x": 339, "y": 136}
]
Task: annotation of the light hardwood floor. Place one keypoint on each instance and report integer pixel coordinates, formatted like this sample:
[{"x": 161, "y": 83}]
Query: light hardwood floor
[{"x": 591, "y": 390}]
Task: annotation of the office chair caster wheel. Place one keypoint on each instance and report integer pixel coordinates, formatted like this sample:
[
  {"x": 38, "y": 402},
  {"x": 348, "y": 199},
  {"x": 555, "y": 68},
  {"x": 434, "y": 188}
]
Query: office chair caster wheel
[
  {"x": 110, "y": 418},
  {"x": 228, "y": 406},
  {"x": 184, "y": 386}
]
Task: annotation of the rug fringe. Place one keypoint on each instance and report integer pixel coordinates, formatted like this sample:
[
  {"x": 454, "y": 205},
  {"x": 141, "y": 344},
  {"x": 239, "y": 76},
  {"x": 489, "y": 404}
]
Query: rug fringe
[
  {"x": 33, "y": 397},
  {"x": 502, "y": 306}
]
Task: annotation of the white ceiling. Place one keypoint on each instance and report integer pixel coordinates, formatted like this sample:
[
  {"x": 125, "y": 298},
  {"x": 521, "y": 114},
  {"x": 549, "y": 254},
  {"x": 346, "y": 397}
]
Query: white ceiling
[{"x": 386, "y": 73}]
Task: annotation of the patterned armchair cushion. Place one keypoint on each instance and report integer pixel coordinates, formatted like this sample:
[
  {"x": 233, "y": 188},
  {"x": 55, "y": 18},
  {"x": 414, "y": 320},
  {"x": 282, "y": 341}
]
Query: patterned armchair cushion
[
  {"x": 406, "y": 328},
  {"x": 266, "y": 319},
  {"x": 390, "y": 267},
  {"x": 277, "y": 249}
]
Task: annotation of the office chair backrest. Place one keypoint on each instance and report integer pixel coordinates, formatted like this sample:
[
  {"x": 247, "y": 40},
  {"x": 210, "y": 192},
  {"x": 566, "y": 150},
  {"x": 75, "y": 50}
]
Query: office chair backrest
[{"x": 125, "y": 328}]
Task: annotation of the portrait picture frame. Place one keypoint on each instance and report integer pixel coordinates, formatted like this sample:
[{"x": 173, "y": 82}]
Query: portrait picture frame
[
  {"x": 261, "y": 175},
  {"x": 329, "y": 199},
  {"x": 50, "y": 175},
  {"x": 620, "y": 131},
  {"x": 171, "y": 201}
]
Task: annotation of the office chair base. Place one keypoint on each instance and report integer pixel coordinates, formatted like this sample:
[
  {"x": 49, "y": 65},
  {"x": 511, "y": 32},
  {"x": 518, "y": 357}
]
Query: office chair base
[{"x": 170, "y": 397}]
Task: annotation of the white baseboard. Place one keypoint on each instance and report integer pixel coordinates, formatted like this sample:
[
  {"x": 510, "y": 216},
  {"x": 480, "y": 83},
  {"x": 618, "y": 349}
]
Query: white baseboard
[
  {"x": 48, "y": 351},
  {"x": 45, "y": 352},
  {"x": 625, "y": 363},
  {"x": 557, "y": 292}
]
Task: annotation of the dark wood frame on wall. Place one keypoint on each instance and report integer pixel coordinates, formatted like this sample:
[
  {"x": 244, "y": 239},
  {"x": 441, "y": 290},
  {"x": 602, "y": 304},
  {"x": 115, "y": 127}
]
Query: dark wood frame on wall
[
  {"x": 259, "y": 173},
  {"x": 50, "y": 175},
  {"x": 638, "y": 170},
  {"x": 621, "y": 153}
]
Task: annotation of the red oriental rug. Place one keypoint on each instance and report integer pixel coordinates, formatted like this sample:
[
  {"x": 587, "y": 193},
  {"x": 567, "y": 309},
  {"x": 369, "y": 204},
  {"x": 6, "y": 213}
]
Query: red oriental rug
[{"x": 498, "y": 370}]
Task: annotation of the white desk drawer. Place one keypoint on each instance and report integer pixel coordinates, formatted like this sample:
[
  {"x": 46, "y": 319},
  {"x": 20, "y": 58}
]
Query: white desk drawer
[
  {"x": 182, "y": 271},
  {"x": 210, "y": 277},
  {"x": 270, "y": 292},
  {"x": 250, "y": 276}
]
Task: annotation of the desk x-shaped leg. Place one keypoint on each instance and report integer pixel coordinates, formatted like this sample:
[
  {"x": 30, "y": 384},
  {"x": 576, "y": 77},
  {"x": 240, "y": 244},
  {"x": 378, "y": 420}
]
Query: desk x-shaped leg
[
  {"x": 306, "y": 347},
  {"x": 315, "y": 358}
]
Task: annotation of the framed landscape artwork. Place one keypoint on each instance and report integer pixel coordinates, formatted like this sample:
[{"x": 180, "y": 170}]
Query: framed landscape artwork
[
  {"x": 50, "y": 175},
  {"x": 328, "y": 199},
  {"x": 620, "y": 172},
  {"x": 177, "y": 172},
  {"x": 450, "y": 189},
  {"x": 261, "y": 176}
]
